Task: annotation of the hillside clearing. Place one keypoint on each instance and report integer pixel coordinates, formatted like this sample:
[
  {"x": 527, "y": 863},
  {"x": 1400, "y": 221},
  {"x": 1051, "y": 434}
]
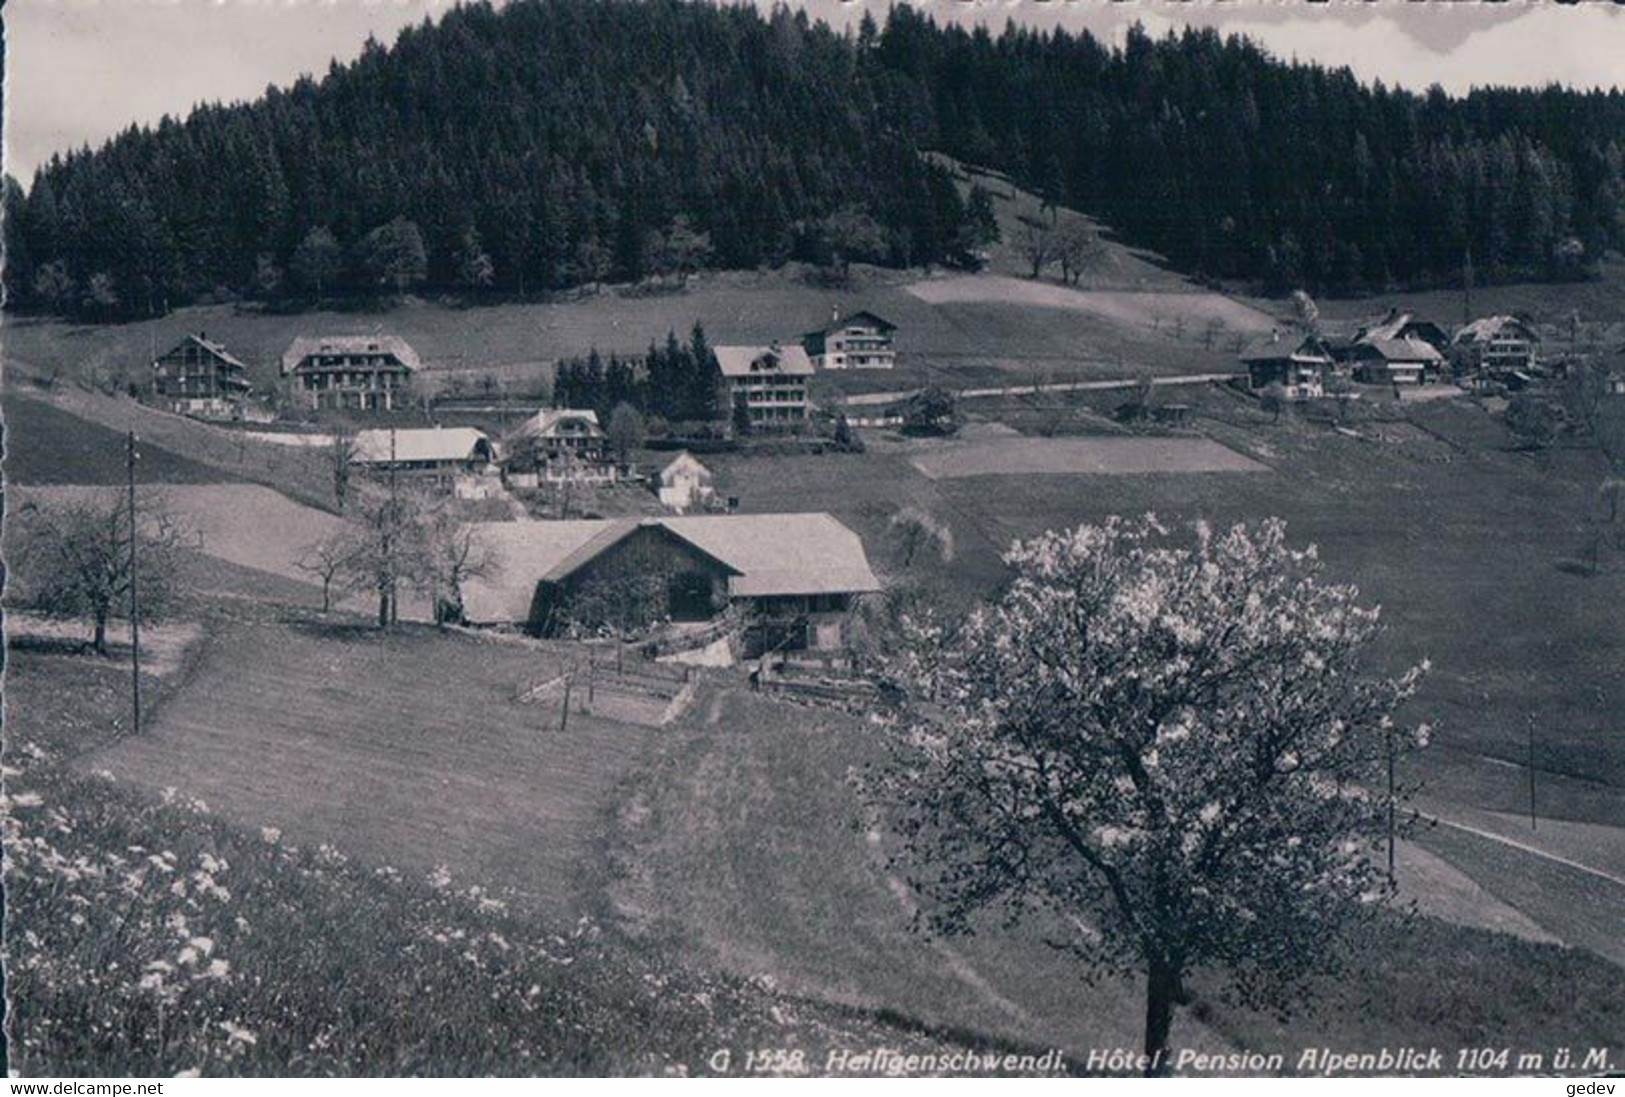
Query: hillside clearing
[
  {"x": 1146, "y": 309},
  {"x": 1081, "y": 456}
]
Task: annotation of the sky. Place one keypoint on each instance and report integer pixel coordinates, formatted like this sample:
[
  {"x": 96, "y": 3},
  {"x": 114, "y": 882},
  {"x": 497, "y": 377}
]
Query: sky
[{"x": 79, "y": 71}]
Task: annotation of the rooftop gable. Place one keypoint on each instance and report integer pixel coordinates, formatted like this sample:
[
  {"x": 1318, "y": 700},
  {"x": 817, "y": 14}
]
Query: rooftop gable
[
  {"x": 304, "y": 346},
  {"x": 739, "y": 361}
]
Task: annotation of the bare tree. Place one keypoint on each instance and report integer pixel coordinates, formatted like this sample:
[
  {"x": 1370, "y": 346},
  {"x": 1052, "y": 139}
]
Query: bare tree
[
  {"x": 1036, "y": 239},
  {"x": 455, "y": 553},
  {"x": 1079, "y": 249},
  {"x": 1172, "y": 744},
  {"x": 330, "y": 560},
  {"x": 388, "y": 529},
  {"x": 75, "y": 560}
]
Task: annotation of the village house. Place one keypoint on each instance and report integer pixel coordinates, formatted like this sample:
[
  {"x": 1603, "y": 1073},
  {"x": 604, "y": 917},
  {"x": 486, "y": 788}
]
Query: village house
[
  {"x": 1405, "y": 325},
  {"x": 442, "y": 454},
  {"x": 1299, "y": 364},
  {"x": 792, "y": 577},
  {"x": 559, "y": 445},
  {"x": 1400, "y": 361},
  {"x": 770, "y": 381},
  {"x": 684, "y": 483},
  {"x": 1496, "y": 345},
  {"x": 860, "y": 341},
  {"x": 366, "y": 373},
  {"x": 197, "y": 377}
]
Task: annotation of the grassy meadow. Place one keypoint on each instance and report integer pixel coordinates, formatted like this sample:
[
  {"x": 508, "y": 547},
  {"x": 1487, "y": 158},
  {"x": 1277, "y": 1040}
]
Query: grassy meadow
[
  {"x": 153, "y": 933},
  {"x": 745, "y": 841}
]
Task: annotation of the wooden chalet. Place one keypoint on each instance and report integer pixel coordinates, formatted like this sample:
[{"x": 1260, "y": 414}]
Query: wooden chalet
[
  {"x": 860, "y": 341},
  {"x": 558, "y": 445},
  {"x": 359, "y": 373},
  {"x": 1299, "y": 364},
  {"x": 1398, "y": 361},
  {"x": 197, "y": 377}
]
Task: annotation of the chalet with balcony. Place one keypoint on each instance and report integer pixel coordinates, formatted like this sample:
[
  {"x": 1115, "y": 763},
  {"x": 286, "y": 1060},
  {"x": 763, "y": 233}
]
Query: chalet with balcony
[
  {"x": 197, "y": 377},
  {"x": 1298, "y": 363},
  {"x": 770, "y": 382},
  {"x": 1495, "y": 346},
  {"x": 559, "y": 445},
  {"x": 1399, "y": 361},
  {"x": 355, "y": 373},
  {"x": 860, "y": 341}
]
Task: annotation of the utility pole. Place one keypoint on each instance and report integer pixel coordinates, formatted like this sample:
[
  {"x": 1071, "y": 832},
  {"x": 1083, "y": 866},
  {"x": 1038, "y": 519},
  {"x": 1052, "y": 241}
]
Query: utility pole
[
  {"x": 1467, "y": 288},
  {"x": 564, "y": 712},
  {"x": 1531, "y": 721},
  {"x": 135, "y": 605},
  {"x": 1391, "y": 793},
  {"x": 389, "y": 542}
]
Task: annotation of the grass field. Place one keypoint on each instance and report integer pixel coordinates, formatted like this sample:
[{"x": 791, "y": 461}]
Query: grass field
[
  {"x": 1081, "y": 456},
  {"x": 357, "y": 739},
  {"x": 1464, "y": 543},
  {"x": 745, "y": 842},
  {"x": 70, "y": 436},
  {"x": 153, "y": 936},
  {"x": 46, "y": 445}
]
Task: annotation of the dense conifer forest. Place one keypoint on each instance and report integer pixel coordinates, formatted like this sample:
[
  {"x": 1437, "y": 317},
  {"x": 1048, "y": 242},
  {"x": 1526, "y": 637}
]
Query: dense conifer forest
[{"x": 556, "y": 143}]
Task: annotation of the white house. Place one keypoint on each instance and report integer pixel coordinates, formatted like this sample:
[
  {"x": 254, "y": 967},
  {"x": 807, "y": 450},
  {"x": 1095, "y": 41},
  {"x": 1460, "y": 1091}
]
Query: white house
[
  {"x": 684, "y": 483},
  {"x": 860, "y": 341}
]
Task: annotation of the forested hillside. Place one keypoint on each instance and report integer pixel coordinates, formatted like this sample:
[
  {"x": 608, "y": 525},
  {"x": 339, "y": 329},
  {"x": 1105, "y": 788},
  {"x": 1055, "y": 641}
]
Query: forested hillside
[{"x": 555, "y": 142}]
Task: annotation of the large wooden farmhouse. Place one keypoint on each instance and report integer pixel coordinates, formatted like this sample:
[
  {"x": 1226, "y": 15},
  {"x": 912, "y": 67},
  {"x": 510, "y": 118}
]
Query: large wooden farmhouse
[
  {"x": 1408, "y": 361},
  {"x": 1405, "y": 325},
  {"x": 792, "y": 576},
  {"x": 770, "y": 382},
  {"x": 433, "y": 452},
  {"x": 860, "y": 341},
  {"x": 1298, "y": 364},
  {"x": 197, "y": 377},
  {"x": 367, "y": 373},
  {"x": 557, "y": 445}
]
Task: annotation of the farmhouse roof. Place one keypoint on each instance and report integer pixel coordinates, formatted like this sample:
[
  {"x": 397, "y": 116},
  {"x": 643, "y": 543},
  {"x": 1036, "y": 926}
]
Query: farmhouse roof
[
  {"x": 1277, "y": 347},
  {"x": 214, "y": 348},
  {"x": 1486, "y": 328},
  {"x": 1404, "y": 350},
  {"x": 1402, "y": 325},
  {"x": 782, "y": 553},
  {"x": 743, "y": 361},
  {"x": 684, "y": 462},
  {"x": 770, "y": 554},
  {"x": 837, "y": 322},
  {"x": 306, "y": 345},
  {"x": 545, "y": 422},
  {"x": 371, "y": 447}
]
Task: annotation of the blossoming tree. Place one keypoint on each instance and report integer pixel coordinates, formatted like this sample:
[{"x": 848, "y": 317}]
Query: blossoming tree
[{"x": 1175, "y": 745}]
